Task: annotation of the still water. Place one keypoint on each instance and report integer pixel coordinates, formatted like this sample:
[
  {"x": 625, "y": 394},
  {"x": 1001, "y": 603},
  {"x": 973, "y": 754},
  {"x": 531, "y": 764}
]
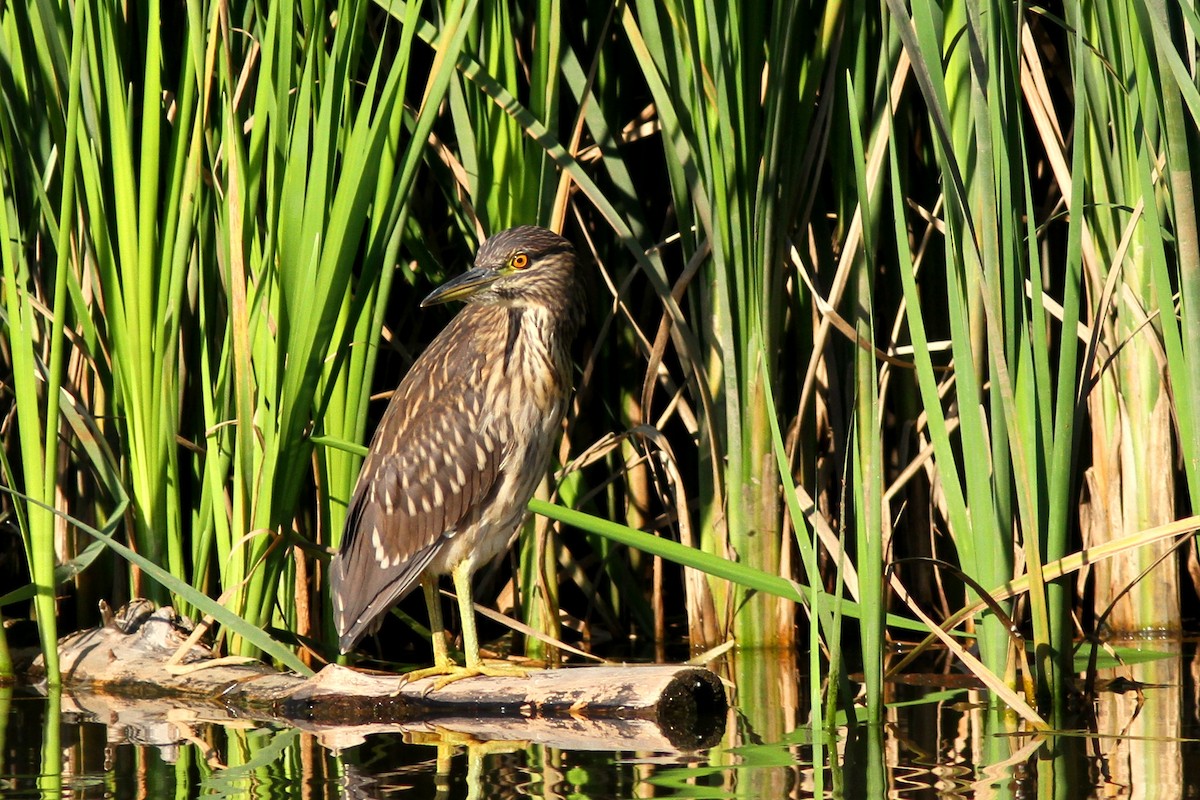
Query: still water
[{"x": 939, "y": 741}]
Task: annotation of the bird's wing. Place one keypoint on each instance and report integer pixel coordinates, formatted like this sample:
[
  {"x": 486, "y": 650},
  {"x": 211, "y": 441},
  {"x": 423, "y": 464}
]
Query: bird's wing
[{"x": 435, "y": 459}]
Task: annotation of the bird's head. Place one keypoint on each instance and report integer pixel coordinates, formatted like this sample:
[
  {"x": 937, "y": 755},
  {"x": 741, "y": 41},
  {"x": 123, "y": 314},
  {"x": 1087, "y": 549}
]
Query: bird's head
[{"x": 524, "y": 266}]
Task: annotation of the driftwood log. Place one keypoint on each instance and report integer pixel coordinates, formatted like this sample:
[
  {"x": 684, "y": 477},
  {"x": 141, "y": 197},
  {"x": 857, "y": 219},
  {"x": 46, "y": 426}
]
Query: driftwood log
[{"x": 139, "y": 672}]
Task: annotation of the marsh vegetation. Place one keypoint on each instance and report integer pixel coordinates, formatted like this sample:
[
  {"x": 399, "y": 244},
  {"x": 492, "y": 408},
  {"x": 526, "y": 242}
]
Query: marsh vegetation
[{"x": 892, "y": 317}]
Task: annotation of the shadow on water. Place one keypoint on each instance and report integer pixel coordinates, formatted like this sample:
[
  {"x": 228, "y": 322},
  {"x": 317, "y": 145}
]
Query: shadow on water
[{"x": 941, "y": 740}]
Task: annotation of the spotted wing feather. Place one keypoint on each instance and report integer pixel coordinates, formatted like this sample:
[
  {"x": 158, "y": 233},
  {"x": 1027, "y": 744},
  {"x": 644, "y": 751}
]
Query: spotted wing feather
[{"x": 429, "y": 467}]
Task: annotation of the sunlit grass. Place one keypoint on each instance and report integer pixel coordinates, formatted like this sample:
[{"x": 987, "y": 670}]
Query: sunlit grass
[{"x": 870, "y": 288}]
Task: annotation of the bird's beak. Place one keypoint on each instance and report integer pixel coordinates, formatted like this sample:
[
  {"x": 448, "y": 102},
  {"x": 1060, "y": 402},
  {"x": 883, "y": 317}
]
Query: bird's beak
[{"x": 462, "y": 287}]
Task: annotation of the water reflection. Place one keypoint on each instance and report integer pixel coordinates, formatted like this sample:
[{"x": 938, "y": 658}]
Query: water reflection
[
  {"x": 1147, "y": 749},
  {"x": 942, "y": 741}
]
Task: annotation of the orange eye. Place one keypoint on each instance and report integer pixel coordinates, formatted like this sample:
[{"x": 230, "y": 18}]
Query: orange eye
[{"x": 519, "y": 261}]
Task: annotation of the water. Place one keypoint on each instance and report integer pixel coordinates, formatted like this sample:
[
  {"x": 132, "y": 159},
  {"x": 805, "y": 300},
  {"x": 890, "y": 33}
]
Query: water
[{"x": 939, "y": 741}]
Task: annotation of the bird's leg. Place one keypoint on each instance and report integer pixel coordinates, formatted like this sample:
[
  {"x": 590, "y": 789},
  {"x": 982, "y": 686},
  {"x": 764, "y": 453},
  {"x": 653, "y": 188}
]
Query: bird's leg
[
  {"x": 466, "y": 609},
  {"x": 474, "y": 666},
  {"x": 462, "y": 591},
  {"x": 437, "y": 628},
  {"x": 442, "y": 663}
]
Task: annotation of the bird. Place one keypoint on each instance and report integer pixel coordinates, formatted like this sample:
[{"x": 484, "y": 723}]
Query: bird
[{"x": 465, "y": 440}]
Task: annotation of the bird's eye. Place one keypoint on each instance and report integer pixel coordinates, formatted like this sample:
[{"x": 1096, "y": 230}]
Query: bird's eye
[{"x": 519, "y": 261}]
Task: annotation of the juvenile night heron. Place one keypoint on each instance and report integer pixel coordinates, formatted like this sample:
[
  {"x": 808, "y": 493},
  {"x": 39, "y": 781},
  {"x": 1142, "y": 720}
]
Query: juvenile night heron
[{"x": 464, "y": 442}]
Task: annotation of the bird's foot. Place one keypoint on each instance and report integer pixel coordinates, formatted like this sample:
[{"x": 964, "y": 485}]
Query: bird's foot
[
  {"x": 497, "y": 668},
  {"x": 449, "y": 673}
]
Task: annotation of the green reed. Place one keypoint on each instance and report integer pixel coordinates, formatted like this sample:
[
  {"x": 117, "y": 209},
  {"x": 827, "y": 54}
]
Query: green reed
[{"x": 864, "y": 279}]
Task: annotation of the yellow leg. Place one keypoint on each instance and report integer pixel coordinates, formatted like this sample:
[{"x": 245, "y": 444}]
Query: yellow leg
[
  {"x": 437, "y": 628},
  {"x": 442, "y": 663},
  {"x": 443, "y": 666},
  {"x": 466, "y": 610}
]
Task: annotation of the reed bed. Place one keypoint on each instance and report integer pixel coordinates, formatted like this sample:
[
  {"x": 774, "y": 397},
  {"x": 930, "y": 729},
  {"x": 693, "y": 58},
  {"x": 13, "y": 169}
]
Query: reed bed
[{"x": 892, "y": 323}]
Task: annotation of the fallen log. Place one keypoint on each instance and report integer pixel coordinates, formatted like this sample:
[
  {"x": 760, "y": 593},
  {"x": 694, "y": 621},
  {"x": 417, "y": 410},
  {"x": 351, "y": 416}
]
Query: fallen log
[{"x": 142, "y": 654}]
